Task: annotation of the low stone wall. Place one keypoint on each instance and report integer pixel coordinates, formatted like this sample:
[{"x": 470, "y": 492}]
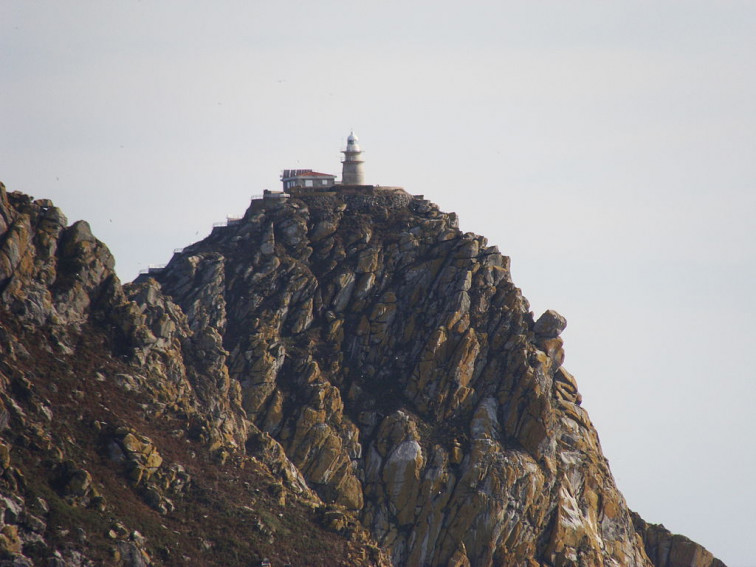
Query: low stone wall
[
  {"x": 321, "y": 200},
  {"x": 377, "y": 197},
  {"x": 357, "y": 197}
]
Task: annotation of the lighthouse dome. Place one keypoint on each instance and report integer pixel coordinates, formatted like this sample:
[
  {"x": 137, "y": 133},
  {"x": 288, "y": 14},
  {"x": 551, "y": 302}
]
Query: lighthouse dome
[{"x": 352, "y": 143}]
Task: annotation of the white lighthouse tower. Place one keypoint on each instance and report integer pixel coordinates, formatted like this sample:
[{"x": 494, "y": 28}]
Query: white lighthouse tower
[{"x": 352, "y": 172}]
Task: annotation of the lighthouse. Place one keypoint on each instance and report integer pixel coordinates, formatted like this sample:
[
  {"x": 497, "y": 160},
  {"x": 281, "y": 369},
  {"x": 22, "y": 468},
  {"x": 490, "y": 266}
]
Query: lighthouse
[{"x": 352, "y": 172}]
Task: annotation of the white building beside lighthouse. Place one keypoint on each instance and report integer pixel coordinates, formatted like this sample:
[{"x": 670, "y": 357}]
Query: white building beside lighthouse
[
  {"x": 306, "y": 178},
  {"x": 353, "y": 171}
]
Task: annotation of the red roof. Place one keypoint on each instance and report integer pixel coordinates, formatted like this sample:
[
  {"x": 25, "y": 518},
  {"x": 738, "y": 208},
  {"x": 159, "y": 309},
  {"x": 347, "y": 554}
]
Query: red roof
[
  {"x": 315, "y": 174},
  {"x": 295, "y": 173}
]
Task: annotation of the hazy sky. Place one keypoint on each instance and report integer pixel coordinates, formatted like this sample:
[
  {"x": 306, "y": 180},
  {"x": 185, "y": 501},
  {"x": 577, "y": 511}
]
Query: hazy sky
[{"x": 607, "y": 147}]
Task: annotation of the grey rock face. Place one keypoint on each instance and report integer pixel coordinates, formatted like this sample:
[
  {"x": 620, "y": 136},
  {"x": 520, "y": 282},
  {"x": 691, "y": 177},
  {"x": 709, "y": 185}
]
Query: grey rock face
[
  {"x": 400, "y": 369},
  {"x": 354, "y": 346}
]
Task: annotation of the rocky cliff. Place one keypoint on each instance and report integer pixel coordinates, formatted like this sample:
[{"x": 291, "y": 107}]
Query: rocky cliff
[{"x": 338, "y": 378}]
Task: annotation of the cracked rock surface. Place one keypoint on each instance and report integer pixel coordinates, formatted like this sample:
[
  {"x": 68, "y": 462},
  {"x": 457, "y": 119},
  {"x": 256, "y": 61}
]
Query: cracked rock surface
[{"x": 346, "y": 361}]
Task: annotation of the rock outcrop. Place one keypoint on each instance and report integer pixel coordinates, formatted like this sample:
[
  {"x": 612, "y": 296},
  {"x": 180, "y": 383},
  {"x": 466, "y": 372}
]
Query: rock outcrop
[
  {"x": 123, "y": 440},
  {"x": 666, "y": 549},
  {"x": 344, "y": 367}
]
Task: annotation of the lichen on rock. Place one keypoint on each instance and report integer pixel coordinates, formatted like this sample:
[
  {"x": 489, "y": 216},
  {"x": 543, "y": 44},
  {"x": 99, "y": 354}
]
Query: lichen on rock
[{"x": 342, "y": 363}]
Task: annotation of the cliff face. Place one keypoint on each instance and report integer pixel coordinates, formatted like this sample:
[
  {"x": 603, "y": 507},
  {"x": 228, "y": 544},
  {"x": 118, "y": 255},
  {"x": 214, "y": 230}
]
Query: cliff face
[
  {"x": 371, "y": 368},
  {"x": 122, "y": 436}
]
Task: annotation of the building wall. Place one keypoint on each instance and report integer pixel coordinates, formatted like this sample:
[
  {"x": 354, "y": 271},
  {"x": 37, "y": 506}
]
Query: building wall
[{"x": 308, "y": 181}]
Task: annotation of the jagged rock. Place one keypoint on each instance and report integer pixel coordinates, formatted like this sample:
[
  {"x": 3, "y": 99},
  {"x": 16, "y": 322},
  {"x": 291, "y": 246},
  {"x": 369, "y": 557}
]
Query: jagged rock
[
  {"x": 139, "y": 452},
  {"x": 401, "y": 306},
  {"x": 157, "y": 501},
  {"x": 78, "y": 483},
  {"x": 349, "y": 351},
  {"x": 5, "y": 459},
  {"x": 565, "y": 387},
  {"x": 129, "y": 554},
  {"x": 10, "y": 543},
  {"x": 335, "y": 520},
  {"x": 666, "y": 549},
  {"x": 550, "y": 324}
]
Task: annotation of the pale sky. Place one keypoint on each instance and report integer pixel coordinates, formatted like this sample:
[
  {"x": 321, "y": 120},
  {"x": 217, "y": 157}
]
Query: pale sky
[{"x": 607, "y": 147}]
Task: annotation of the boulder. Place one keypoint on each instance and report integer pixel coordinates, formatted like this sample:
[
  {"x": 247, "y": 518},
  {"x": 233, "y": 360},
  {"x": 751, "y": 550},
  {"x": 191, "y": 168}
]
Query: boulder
[{"x": 550, "y": 324}]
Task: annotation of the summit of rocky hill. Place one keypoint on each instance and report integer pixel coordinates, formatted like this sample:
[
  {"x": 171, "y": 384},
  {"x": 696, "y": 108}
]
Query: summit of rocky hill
[{"x": 339, "y": 377}]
